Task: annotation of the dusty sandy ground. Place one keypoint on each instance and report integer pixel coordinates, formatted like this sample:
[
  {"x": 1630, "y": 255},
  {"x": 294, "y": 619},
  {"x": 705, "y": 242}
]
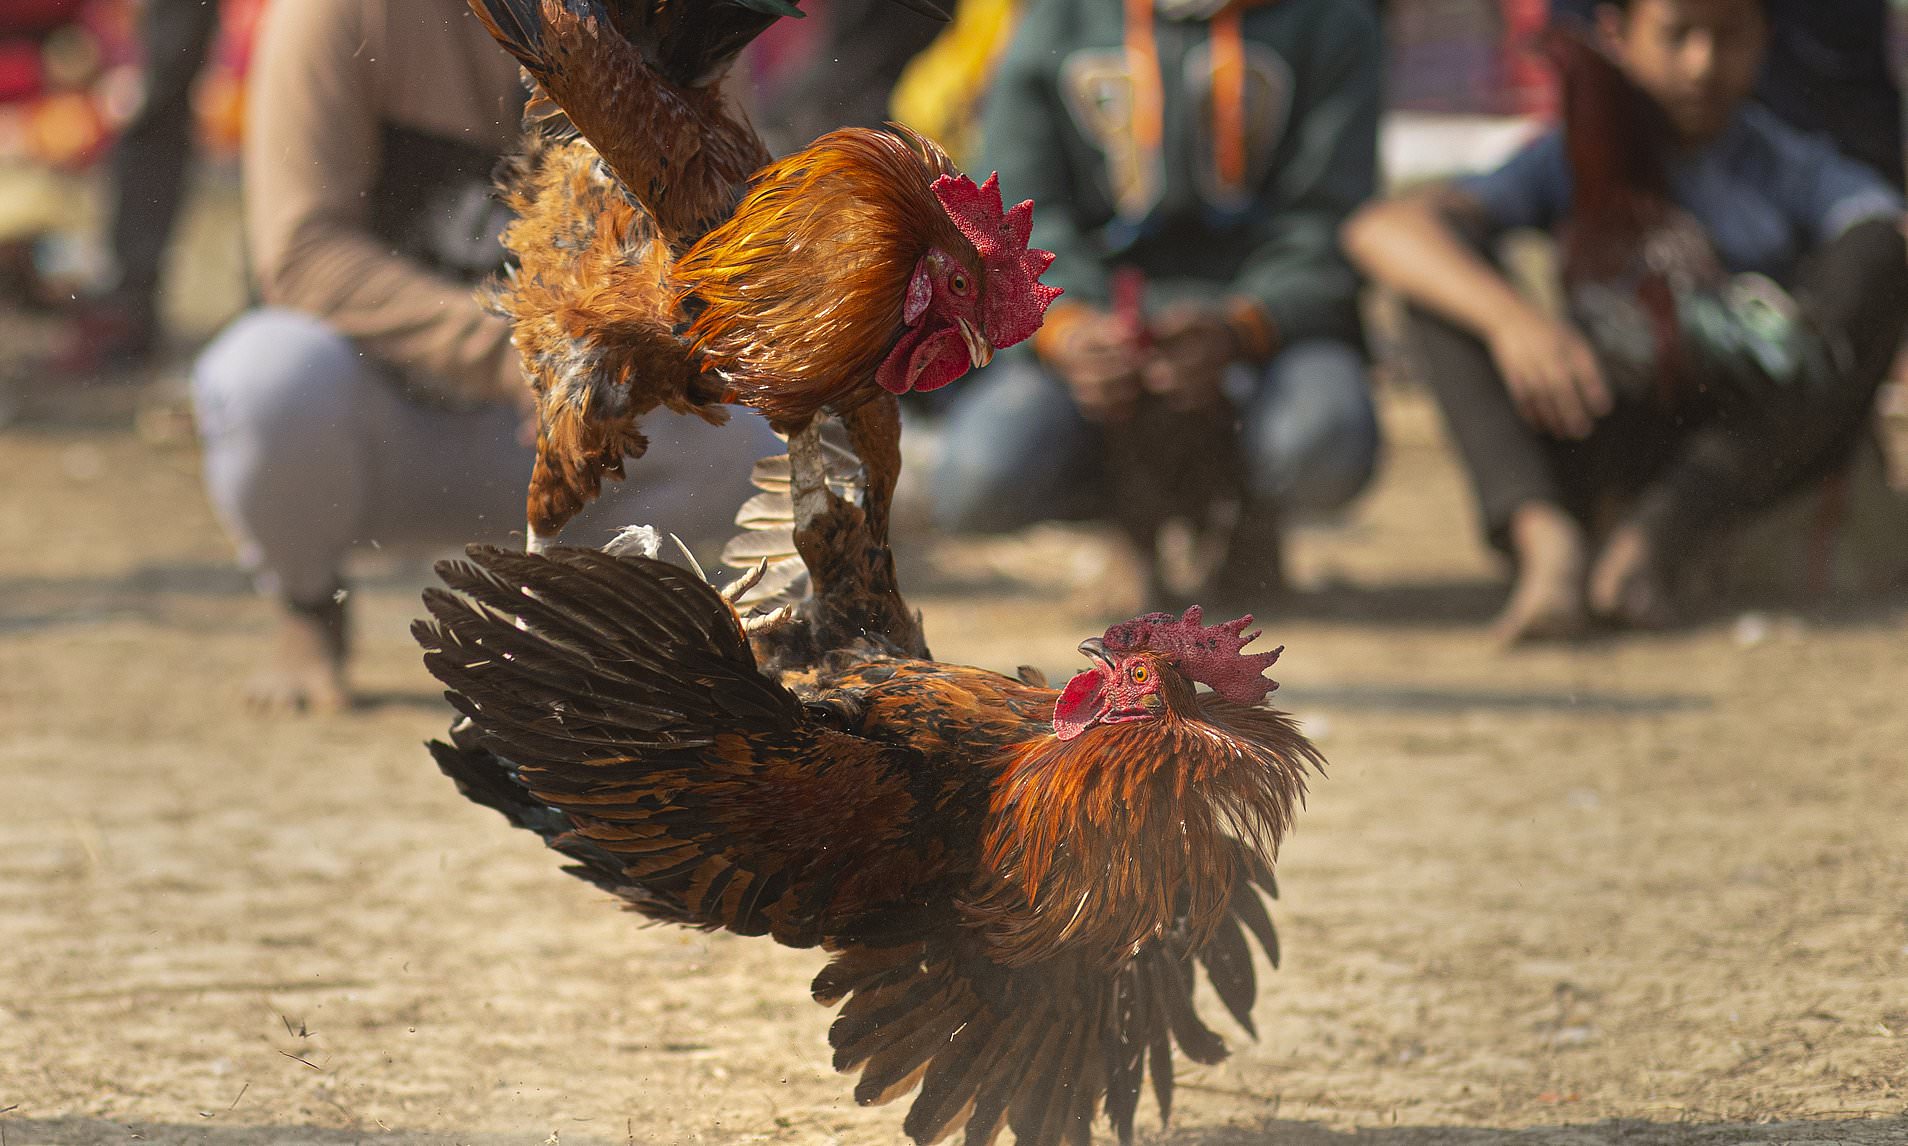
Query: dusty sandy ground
[{"x": 1646, "y": 891}]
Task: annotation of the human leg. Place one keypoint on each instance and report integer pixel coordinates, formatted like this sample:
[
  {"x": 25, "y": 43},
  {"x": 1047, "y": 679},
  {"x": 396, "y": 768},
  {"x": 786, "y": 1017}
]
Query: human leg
[
  {"x": 691, "y": 482},
  {"x": 1310, "y": 428},
  {"x": 283, "y": 466},
  {"x": 1309, "y": 438},
  {"x": 151, "y": 158},
  {"x": 1521, "y": 503},
  {"x": 1015, "y": 450}
]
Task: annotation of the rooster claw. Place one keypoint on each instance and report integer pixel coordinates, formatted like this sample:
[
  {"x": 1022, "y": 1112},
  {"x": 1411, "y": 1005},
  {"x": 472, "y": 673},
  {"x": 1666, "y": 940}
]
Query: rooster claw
[
  {"x": 733, "y": 592},
  {"x": 767, "y": 622}
]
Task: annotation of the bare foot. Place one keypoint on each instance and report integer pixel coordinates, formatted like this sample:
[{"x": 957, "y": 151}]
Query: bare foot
[
  {"x": 306, "y": 669},
  {"x": 1626, "y": 584},
  {"x": 1546, "y": 602}
]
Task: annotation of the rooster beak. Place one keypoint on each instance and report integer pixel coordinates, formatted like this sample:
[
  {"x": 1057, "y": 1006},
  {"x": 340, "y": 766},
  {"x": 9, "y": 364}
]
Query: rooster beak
[
  {"x": 979, "y": 351},
  {"x": 1095, "y": 649}
]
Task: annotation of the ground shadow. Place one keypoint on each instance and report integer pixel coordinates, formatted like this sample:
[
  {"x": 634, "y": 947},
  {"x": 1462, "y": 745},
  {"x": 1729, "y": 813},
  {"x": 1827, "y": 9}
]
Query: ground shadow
[
  {"x": 1270, "y": 1132},
  {"x": 1380, "y": 697},
  {"x": 1439, "y": 603},
  {"x": 922, "y": 576},
  {"x": 28, "y": 604},
  {"x": 422, "y": 700},
  {"x": 1613, "y": 1132},
  {"x": 215, "y": 1130}
]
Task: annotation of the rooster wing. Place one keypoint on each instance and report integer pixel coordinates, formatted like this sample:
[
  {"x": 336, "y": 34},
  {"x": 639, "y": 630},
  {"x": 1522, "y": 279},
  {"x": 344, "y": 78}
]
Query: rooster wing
[{"x": 622, "y": 717}]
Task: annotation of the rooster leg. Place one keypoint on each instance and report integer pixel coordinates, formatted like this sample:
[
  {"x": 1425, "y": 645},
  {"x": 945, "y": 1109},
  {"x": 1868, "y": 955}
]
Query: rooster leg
[
  {"x": 874, "y": 429},
  {"x": 535, "y": 541},
  {"x": 808, "y": 476},
  {"x": 851, "y": 574}
]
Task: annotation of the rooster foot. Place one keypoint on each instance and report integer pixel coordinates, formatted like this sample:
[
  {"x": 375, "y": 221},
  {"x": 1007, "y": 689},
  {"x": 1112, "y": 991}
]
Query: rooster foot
[
  {"x": 733, "y": 591},
  {"x": 767, "y": 622}
]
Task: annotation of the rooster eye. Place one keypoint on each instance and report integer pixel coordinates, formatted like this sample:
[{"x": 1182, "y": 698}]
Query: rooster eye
[
  {"x": 958, "y": 283},
  {"x": 1141, "y": 674}
]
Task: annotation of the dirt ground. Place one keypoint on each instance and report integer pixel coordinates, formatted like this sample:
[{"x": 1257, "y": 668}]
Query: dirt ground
[{"x": 1651, "y": 890}]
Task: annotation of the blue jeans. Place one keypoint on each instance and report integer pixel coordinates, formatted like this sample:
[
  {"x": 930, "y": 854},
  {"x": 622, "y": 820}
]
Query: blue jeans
[
  {"x": 311, "y": 449},
  {"x": 1016, "y": 450}
]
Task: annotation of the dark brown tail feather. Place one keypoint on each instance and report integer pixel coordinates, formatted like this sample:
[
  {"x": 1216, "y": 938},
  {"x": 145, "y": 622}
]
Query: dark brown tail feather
[{"x": 1035, "y": 1049}]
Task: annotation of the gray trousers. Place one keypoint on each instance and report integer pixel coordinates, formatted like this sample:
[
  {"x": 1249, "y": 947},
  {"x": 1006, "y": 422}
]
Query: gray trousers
[
  {"x": 311, "y": 449},
  {"x": 1016, "y": 449}
]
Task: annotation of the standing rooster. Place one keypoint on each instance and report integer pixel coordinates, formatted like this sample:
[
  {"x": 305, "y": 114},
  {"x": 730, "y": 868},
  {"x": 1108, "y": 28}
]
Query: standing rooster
[
  {"x": 1012, "y": 882},
  {"x": 663, "y": 261}
]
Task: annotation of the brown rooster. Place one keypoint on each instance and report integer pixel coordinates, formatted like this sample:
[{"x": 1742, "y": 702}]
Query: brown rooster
[
  {"x": 662, "y": 261},
  {"x": 1012, "y": 883}
]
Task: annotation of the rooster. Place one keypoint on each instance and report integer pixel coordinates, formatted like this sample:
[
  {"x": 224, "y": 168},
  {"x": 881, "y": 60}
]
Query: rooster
[
  {"x": 1012, "y": 882},
  {"x": 662, "y": 260},
  {"x": 1640, "y": 274}
]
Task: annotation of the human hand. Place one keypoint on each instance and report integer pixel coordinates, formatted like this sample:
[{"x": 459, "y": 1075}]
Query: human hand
[
  {"x": 1098, "y": 358},
  {"x": 1551, "y": 373},
  {"x": 1192, "y": 346}
]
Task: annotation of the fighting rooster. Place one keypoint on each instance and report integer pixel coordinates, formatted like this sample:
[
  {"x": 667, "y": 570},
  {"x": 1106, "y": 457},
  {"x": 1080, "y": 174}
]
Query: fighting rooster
[
  {"x": 663, "y": 261},
  {"x": 1012, "y": 882}
]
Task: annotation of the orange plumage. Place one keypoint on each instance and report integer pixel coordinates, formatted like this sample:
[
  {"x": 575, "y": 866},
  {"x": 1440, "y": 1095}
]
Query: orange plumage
[
  {"x": 660, "y": 262},
  {"x": 792, "y": 336}
]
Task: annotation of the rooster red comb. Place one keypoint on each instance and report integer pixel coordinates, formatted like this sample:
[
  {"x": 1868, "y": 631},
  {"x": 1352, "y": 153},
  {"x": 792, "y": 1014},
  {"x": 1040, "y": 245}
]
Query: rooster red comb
[
  {"x": 1209, "y": 654},
  {"x": 1016, "y": 299}
]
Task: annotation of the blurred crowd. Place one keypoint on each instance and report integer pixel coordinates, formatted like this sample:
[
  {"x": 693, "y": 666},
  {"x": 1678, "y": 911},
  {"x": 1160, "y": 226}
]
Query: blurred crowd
[{"x": 1687, "y": 372}]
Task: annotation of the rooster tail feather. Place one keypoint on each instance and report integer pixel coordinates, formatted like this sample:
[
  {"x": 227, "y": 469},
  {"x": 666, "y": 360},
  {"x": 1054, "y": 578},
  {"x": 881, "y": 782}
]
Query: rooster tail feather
[
  {"x": 689, "y": 44},
  {"x": 485, "y": 778},
  {"x": 518, "y": 26},
  {"x": 1037, "y": 1048}
]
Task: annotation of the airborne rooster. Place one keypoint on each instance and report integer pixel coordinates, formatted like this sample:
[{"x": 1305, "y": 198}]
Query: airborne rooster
[
  {"x": 1012, "y": 883},
  {"x": 663, "y": 261}
]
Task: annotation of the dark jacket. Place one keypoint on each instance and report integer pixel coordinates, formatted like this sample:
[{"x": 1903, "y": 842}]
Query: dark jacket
[{"x": 1205, "y": 215}]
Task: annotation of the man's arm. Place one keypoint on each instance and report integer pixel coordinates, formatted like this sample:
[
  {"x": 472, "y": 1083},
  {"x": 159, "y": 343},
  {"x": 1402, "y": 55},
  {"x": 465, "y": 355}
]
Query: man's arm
[
  {"x": 1409, "y": 243},
  {"x": 310, "y": 161}
]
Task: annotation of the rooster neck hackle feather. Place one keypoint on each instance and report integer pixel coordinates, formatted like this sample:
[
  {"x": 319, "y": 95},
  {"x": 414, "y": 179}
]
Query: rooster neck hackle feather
[
  {"x": 1103, "y": 841},
  {"x": 801, "y": 290}
]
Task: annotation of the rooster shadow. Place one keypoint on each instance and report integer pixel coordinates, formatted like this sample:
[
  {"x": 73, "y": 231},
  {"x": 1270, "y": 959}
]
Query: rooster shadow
[{"x": 1271, "y": 1132}]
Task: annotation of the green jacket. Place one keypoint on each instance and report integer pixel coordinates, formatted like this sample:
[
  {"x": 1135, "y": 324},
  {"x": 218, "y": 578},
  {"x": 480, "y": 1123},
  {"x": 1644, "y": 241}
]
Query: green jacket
[{"x": 1060, "y": 130}]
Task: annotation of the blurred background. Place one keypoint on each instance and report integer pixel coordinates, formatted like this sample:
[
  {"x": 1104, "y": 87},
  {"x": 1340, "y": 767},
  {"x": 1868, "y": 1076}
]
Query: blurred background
[
  {"x": 1649, "y": 888},
  {"x": 1464, "y": 88}
]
